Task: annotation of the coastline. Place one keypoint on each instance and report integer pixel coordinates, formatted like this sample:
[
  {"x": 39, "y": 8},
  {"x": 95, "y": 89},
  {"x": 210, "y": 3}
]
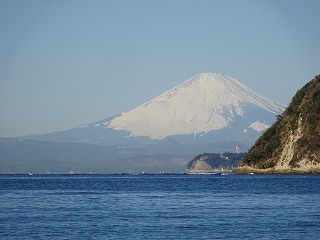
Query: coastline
[{"x": 251, "y": 170}]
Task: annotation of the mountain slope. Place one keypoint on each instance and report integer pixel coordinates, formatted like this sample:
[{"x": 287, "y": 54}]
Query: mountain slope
[
  {"x": 206, "y": 108},
  {"x": 292, "y": 144},
  {"x": 201, "y": 104}
]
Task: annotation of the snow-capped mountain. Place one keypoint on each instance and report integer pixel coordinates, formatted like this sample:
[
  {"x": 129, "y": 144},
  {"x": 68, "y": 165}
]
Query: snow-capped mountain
[
  {"x": 207, "y": 113},
  {"x": 203, "y": 103},
  {"x": 208, "y": 107}
]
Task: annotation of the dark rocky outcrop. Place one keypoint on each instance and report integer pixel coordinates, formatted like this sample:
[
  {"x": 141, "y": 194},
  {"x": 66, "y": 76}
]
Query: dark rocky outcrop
[{"x": 292, "y": 143}]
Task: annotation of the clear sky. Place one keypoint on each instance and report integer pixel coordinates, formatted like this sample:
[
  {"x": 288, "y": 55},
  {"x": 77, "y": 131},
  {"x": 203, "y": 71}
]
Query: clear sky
[{"x": 68, "y": 63}]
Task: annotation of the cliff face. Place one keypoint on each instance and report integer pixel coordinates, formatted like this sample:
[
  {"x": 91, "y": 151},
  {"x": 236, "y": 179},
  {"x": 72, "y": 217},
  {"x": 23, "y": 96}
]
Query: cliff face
[
  {"x": 214, "y": 162},
  {"x": 292, "y": 143}
]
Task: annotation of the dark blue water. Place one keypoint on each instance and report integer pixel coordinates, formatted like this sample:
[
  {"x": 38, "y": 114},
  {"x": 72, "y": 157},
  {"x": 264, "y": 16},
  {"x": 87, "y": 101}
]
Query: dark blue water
[{"x": 160, "y": 207}]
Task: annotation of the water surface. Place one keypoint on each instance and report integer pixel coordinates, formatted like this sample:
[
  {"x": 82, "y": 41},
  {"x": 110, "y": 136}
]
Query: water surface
[{"x": 160, "y": 207}]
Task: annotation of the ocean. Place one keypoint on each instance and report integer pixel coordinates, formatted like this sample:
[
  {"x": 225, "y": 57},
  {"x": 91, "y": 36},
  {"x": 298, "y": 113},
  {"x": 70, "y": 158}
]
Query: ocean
[{"x": 162, "y": 206}]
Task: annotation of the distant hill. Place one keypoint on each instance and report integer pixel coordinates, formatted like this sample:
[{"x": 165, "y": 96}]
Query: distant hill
[
  {"x": 18, "y": 155},
  {"x": 292, "y": 143},
  {"x": 214, "y": 162}
]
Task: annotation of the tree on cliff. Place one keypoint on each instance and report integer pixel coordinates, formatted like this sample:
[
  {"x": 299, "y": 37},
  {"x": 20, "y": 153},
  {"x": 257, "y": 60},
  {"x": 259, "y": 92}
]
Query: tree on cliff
[{"x": 298, "y": 129}]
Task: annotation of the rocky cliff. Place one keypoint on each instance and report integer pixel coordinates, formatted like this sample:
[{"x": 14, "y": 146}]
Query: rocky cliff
[{"x": 292, "y": 143}]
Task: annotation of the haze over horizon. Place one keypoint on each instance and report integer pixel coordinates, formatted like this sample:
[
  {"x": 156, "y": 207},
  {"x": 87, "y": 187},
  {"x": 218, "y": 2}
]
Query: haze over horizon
[{"x": 69, "y": 63}]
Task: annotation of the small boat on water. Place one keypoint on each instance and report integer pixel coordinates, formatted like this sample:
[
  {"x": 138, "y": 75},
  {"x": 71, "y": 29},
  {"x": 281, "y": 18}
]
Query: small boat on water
[{"x": 30, "y": 173}]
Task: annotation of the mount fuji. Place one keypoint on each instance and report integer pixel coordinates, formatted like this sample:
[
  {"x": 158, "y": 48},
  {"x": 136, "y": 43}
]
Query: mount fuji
[
  {"x": 204, "y": 103},
  {"x": 208, "y": 107},
  {"x": 209, "y": 112}
]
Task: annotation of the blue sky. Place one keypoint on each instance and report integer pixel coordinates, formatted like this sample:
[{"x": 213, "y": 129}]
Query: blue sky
[{"x": 68, "y": 63}]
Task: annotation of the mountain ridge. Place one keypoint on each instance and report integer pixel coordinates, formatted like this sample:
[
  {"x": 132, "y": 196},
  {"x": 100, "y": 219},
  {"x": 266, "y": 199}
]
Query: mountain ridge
[{"x": 19, "y": 155}]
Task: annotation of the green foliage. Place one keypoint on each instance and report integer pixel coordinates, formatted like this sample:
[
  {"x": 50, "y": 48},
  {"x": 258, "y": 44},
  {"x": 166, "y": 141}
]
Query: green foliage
[
  {"x": 303, "y": 115},
  {"x": 264, "y": 148}
]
